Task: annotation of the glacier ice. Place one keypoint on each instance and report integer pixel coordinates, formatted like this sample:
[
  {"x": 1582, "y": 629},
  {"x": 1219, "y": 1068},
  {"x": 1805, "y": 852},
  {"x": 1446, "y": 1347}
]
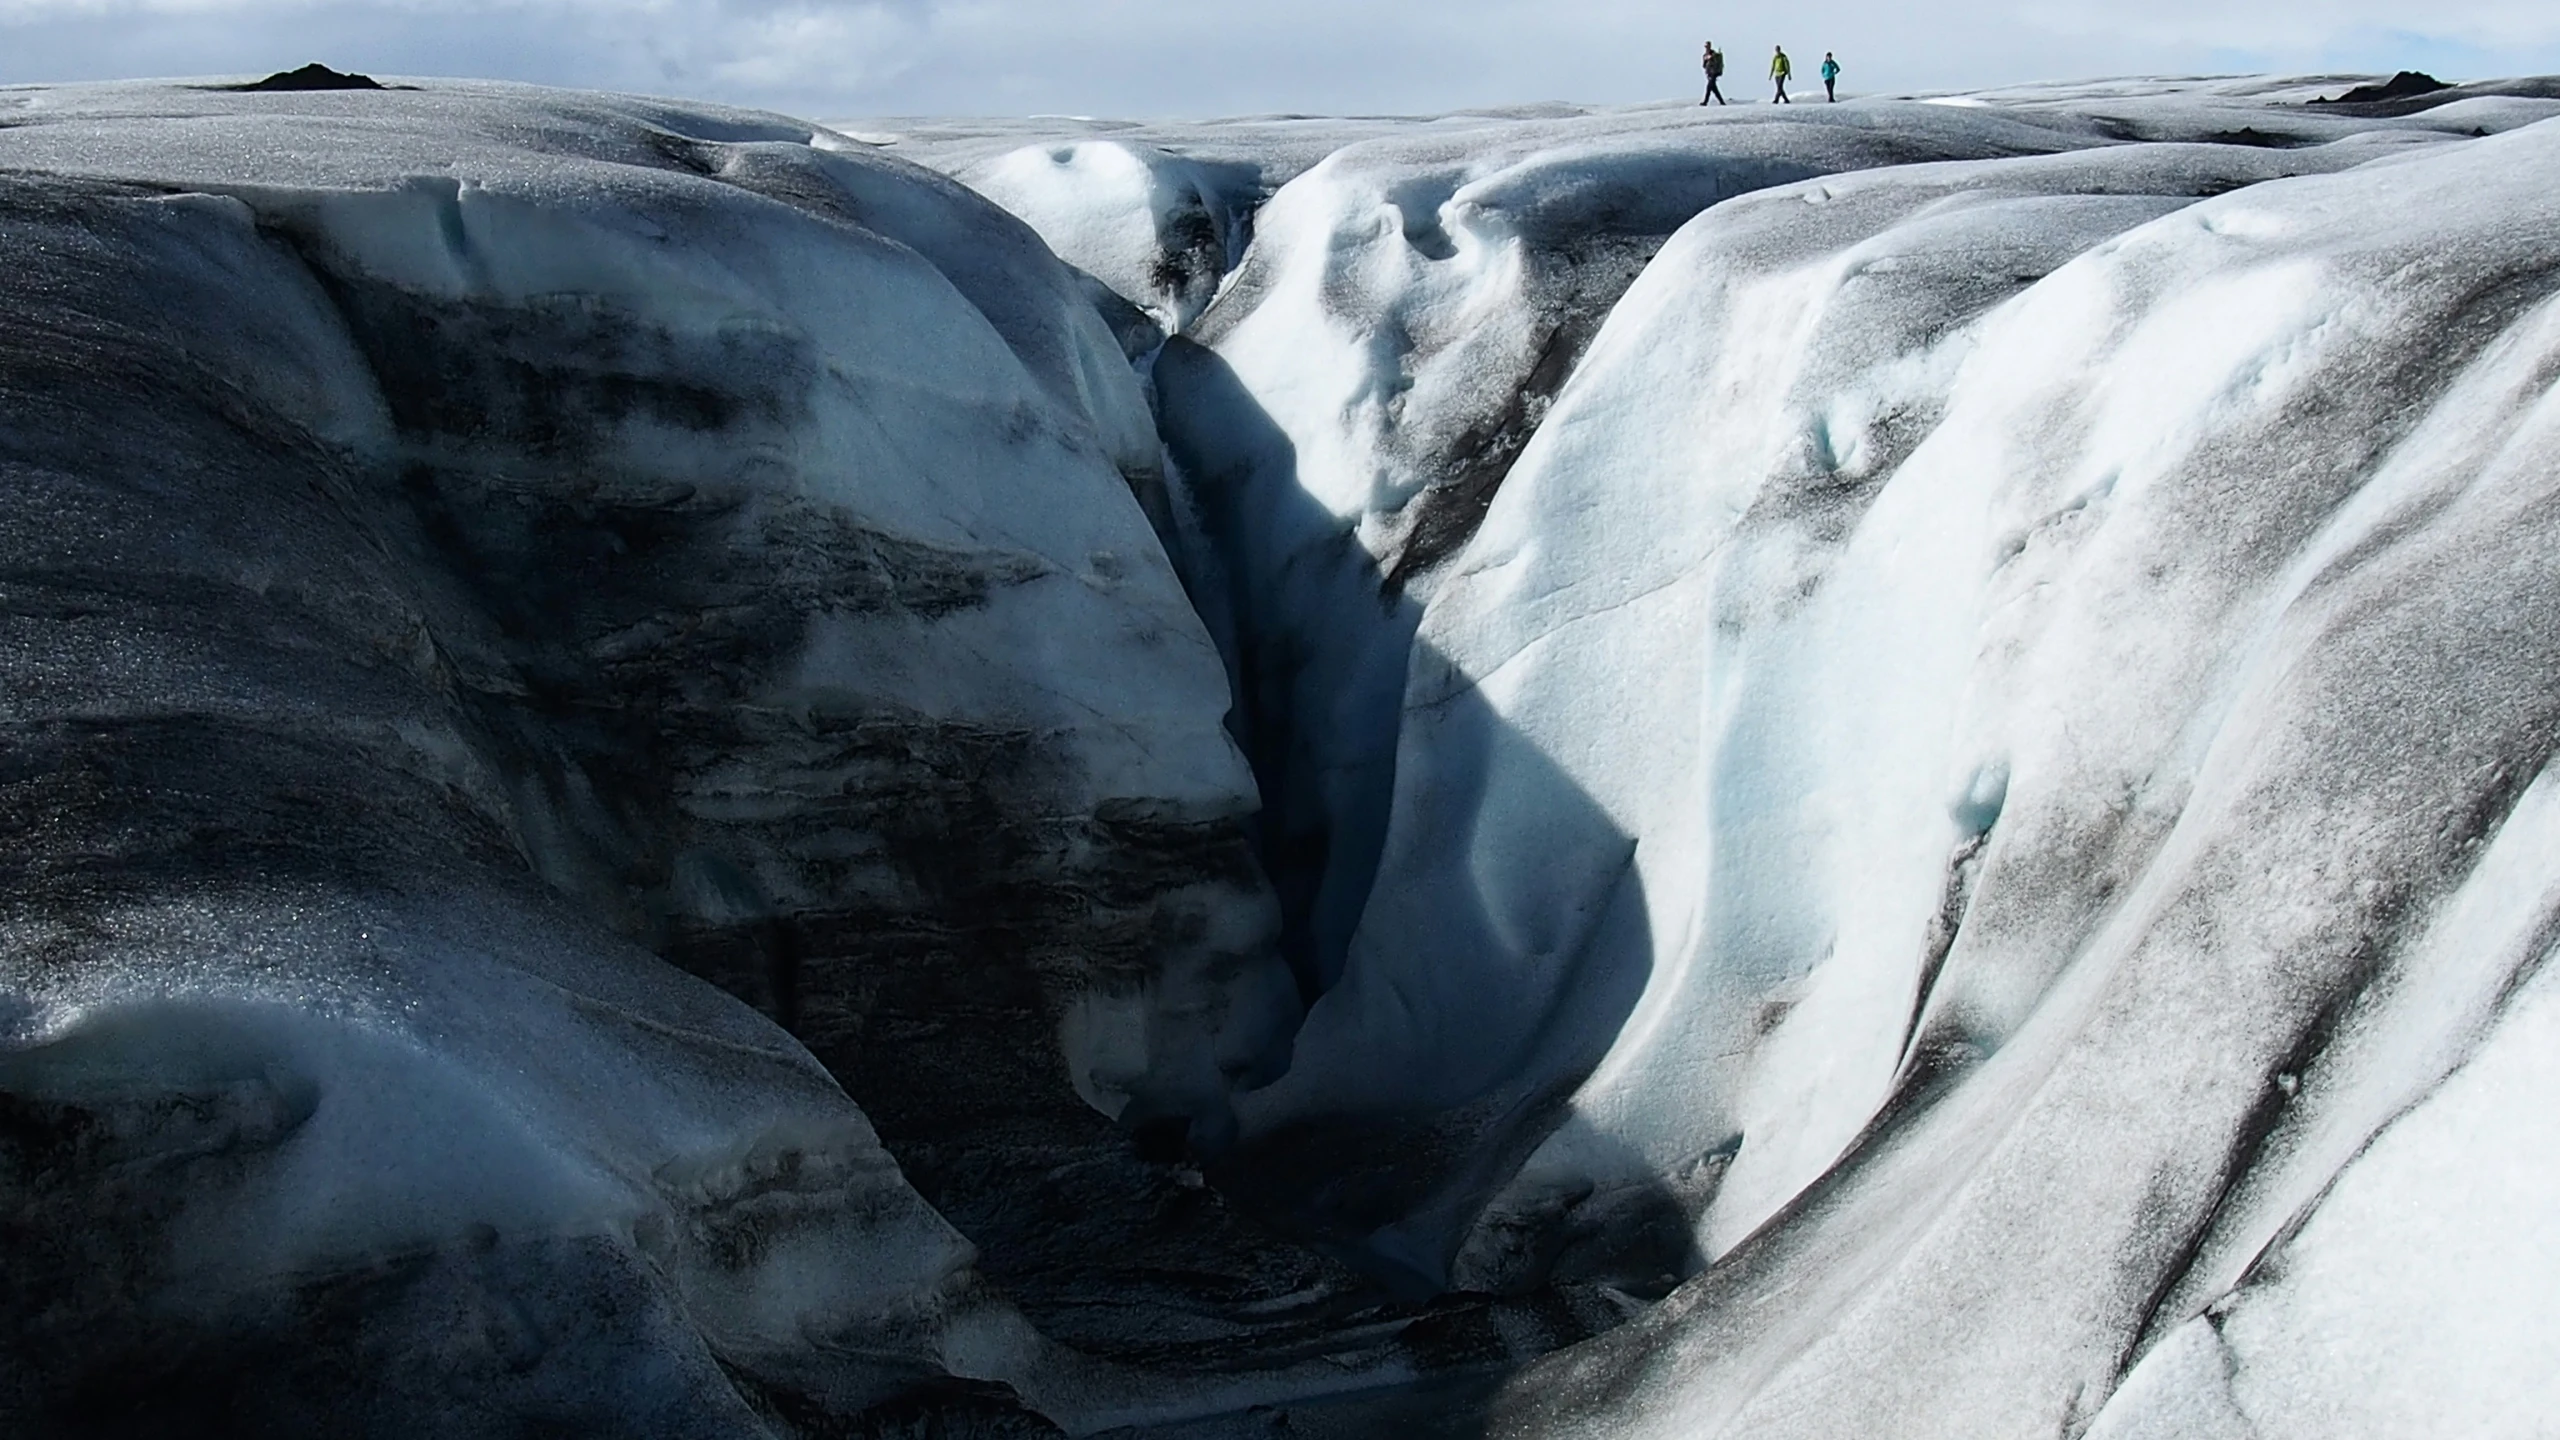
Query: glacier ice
[
  {"x": 459, "y": 534},
  {"x": 1965, "y": 689},
  {"x": 1344, "y": 412},
  {"x": 2036, "y": 816},
  {"x": 2395, "y": 1250},
  {"x": 1158, "y": 230},
  {"x": 1874, "y": 770}
]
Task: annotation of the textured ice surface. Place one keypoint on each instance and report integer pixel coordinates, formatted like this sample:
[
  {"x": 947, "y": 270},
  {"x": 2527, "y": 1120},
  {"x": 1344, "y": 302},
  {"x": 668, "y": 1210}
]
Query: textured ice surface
[
  {"x": 2049, "y": 726},
  {"x": 1344, "y": 412},
  {"x": 1918, "y": 724},
  {"x": 416, "y": 497},
  {"x": 1157, "y": 230},
  {"x": 1841, "y": 312},
  {"x": 1938, "y": 770}
]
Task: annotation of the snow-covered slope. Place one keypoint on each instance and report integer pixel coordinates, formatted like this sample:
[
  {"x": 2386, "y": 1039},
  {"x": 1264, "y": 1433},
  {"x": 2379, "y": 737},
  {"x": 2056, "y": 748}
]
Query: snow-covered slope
[
  {"x": 1408, "y": 309},
  {"x": 1942, "y": 789},
  {"x": 1157, "y": 230},
  {"x": 1344, "y": 412},
  {"x": 413, "y": 494},
  {"x": 2034, "y": 756},
  {"x": 1919, "y": 725},
  {"x": 1152, "y": 216}
]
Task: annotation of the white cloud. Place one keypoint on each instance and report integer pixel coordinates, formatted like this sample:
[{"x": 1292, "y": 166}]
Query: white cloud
[
  {"x": 1154, "y": 57},
  {"x": 816, "y": 50}
]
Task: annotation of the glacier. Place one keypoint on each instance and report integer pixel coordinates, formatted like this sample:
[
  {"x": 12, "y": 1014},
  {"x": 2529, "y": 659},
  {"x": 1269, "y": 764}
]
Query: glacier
[
  {"x": 464, "y": 542},
  {"x": 1548, "y": 772}
]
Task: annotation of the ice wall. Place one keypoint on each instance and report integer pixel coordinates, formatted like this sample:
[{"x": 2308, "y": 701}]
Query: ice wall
[
  {"x": 1741, "y": 788},
  {"x": 456, "y": 534},
  {"x": 1412, "y": 301},
  {"x": 1343, "y": 414},
  {"x": 1778, "y": 363},
  {"x": 2057, "y": 729},
  {"x": 1158, "y": 231}
]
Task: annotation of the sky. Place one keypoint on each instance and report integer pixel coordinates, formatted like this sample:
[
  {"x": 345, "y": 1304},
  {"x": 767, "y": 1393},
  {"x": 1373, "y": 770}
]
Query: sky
[{"x": 835, "y": 59}]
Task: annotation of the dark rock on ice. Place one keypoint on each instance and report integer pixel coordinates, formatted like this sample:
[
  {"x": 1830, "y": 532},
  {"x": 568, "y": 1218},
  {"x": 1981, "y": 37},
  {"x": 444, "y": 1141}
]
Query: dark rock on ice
[
  {"x": 314, "y": 76},
  {"x": 2407, "y": 85}
]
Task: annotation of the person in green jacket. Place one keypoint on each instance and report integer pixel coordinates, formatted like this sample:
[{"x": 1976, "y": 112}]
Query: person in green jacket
[
  {"x": 1830, "y": 77},
  {"x": 1779, "y": 69}
]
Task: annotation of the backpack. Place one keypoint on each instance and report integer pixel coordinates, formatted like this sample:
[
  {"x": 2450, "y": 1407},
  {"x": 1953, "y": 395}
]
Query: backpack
[{"x": 1715, "y": 62}]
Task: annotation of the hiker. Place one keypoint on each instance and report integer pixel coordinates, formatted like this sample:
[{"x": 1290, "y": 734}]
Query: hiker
[
  {"x": 1715, "y": 72},
  {"x": 1830, "y": 77},
  {"x": 1779, "y": 69}
]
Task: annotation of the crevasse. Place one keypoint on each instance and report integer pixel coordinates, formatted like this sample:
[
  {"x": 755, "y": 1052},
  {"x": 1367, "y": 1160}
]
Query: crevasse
[{"x": 1879, "y": 770}]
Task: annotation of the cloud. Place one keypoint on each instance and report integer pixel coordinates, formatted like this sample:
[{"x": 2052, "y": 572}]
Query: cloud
[
  {"x": 1174, "y": 57},
  {"x": 816, "y": 50}
]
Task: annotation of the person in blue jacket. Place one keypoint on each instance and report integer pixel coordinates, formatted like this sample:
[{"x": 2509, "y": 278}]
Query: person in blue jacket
[{"x": 1830, "y": 77}]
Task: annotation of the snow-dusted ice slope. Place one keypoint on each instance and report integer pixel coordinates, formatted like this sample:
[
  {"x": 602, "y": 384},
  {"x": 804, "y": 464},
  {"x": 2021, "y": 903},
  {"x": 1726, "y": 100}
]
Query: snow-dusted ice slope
[
  {"x": 2065, "y": 736},
  {"x": 1939, "y": 767},
  {"x": 1344, "y": 412},
  {"x": 1966, "y": 782},
  {"x": 414, "y": 497},
  {"x": 1919, "y": 729},
  {"x": 1838, "y": 301}
]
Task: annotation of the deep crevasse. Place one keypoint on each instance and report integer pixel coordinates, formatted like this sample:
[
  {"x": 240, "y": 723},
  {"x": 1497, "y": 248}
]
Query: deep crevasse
[
  {"x": 1961, "y": 776},
  {"x": 1955, "y": 737}
]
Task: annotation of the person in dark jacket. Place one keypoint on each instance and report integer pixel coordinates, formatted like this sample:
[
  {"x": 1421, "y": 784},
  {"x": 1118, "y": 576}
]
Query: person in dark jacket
[
  {"x": 1830, "y": 77},
  {"x": 1714, "y": 62},
  {"x": 1780, "y": 67}
]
